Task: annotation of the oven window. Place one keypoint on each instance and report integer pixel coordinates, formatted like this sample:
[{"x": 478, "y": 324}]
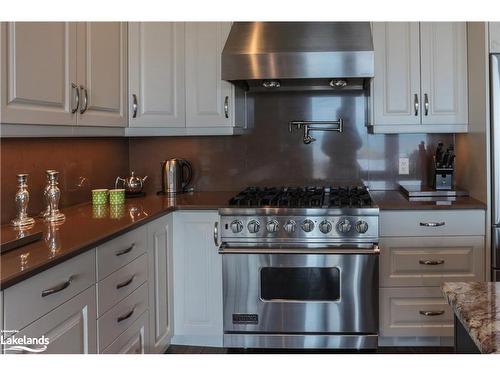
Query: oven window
[{"x": 300, "y": 283}]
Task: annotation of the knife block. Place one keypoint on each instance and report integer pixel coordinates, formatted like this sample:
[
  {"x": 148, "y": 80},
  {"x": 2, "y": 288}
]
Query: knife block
[{"x": 443, "y": 177}]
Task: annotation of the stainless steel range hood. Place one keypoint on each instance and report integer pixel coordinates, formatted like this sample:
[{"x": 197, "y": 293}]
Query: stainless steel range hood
[{"x": 271, "y": 55}]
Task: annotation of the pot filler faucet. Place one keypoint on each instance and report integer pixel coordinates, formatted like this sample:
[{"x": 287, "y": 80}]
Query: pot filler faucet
[{"x": 308, "y": 126}]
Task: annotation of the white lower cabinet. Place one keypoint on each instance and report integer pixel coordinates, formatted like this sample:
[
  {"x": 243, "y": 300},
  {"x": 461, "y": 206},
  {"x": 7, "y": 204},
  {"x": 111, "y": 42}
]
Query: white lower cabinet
[
  {"x": 70, "y": 328},
  {"x": 431, "y": 247},
  {"x": 160, "y": 283},
  {"x": 134, "y": 340},
  {"x": 197, "y": 280}
]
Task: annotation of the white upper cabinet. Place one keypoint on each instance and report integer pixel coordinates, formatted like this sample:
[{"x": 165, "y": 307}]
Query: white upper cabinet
[
  {"x": 494, "y": 36},
  {"x": 175, "y": 85},
  {"x": 156, "y": 74},
  {"x": 208, "y": 98},
  {"x": 444, "y": 73},
  {"x": 102, "y": 73},
  {"x": 38, "y": 73},
  {"x": 420, "y": 83},
  {"x": 396, "y": 86}
]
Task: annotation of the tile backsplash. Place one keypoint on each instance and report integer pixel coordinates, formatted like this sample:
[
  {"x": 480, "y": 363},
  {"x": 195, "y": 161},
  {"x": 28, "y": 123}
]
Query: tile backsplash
[
  {"x": 84, "y": 164},
  {"x": 268, "y": 155}
]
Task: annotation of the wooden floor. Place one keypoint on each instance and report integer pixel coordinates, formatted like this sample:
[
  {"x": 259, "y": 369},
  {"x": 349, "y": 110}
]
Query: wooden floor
[{"x": 181, "y": 349}]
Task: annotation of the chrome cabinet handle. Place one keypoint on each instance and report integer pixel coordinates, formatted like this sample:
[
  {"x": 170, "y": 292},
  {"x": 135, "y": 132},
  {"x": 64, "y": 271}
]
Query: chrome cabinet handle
[
  {"x": 431, "y": 312},
  {"x": 125, "y": 283},
  {"x": 226, "y": 107},
  {"x": 125, "y": 251},
  {"x": 426, "y": 104},
  {"x": 431, "y": 262},
  {"x": 416, "y": 104},
  {"x": 126, "y": 316},
  {"x": 433, "y": 224},
  {"x": 216, "y": 233},
  {"x": 84, "y": 105},
  {"x": 134, "y": 106},
  {"x": 57, "y": 288},
  {"x": 76, "y": 89}
]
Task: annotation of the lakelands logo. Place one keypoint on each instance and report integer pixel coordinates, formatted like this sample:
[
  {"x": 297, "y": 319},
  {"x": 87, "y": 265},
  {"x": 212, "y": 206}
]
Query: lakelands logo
[{"x": 13, "y": 343}]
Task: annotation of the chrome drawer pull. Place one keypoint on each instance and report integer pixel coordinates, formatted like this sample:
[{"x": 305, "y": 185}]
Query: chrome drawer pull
[
  {"x": 433, "y": 224},
  {"x": 125, "y": 283},
  {"x": 58, "y": 288},
  {"x": 431, "y": 313},
  {"x": 125, "y": 251},
  {"x": 216, "y": 233},
  {"x": 126, "y": 316},
  {"x": 431, "y": 262}
]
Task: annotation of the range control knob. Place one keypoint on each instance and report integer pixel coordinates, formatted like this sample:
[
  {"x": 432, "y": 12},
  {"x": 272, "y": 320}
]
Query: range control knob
[
  {"x": 272, "y": 226},
  {"x": 307, "y": 225},
  {"x": 344, "y": 226},
  {"x": 361, "y": 226},
  {"x": 325, "y": 226},
  {"x": 290, "y": 226},
  {"x": 236, "y": 226},
  {"x": 253, "y": 226}
]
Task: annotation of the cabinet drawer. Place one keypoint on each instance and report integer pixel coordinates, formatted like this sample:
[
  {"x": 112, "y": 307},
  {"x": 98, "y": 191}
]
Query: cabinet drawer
[
  {"x": 30, "y": 299},
  {"x": 70, "y": 328},
  {"x": 430, "y": 261},
  {"x": 116, "y": 253},
  {"x": 121, "y": 283},
  {"x": 432, "y": 223},
  {"x": 134, "y": 340},
  {"x": 419, "y": 312},
  {"x": 114, "y": 322}
]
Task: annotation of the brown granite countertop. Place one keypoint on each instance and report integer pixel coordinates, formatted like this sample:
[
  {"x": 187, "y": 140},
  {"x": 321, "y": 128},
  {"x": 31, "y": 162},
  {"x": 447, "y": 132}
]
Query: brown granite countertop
[
  {"x": 396, "y": 200},
  {"x": 86, "y": 227},
  {"x": 477, "y": 306}
]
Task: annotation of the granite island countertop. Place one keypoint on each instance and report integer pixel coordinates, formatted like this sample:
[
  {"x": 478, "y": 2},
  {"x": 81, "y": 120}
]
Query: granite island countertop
[
  {"x": 477, "y": 306},
  {"x": 87, "y": 226}
]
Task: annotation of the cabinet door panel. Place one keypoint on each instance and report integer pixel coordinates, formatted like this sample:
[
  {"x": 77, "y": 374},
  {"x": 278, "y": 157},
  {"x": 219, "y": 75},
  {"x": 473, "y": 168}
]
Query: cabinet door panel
[
  {"x": 444, "y": 72},
  {"x": 397, "y": 73},
  {"x": 71, "y": 328},
  {"x": 209, "y": 99},
  {"x": 38, "y": 67},
  {"x": 156, "y": 74},
  {"x": 197, "y": 280},
  {"x": 160, "y": 283},
  {"x": 102, "y": 70}
]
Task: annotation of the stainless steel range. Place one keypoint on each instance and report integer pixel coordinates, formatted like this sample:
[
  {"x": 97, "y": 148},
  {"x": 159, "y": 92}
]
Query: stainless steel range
[{"x": 300, "y": 268}]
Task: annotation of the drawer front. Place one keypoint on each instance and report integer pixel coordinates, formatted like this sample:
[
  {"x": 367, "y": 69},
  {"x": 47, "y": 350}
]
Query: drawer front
[
  {"x": 419, "y": 312},
  {"x": 432, "y": 223},
  {"x": 30, "y": 299},
  {"x": 113, "y": 323},
  {"x": 122, "y": 250},
  {"x": 121, "y": 283},
  {"x": 430, "y": 261},
  {"x": 134, "y": 340}
]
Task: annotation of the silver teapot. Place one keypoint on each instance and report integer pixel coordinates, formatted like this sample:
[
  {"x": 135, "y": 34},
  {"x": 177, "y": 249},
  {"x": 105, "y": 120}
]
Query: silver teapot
[{"x": 131, "y": 184}]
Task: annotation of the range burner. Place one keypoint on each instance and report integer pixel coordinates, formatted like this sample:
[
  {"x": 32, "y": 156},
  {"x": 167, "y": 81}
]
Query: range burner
[{"x": 303, "y": 197}]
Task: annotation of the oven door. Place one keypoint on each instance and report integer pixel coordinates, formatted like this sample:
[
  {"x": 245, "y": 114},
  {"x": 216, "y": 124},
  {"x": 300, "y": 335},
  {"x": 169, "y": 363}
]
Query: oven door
[{"x": 296, "y": 292}]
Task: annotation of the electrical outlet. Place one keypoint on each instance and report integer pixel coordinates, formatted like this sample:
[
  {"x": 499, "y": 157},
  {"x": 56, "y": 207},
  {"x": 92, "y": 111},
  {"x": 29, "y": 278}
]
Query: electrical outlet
[{"x": 404, "y": 165}]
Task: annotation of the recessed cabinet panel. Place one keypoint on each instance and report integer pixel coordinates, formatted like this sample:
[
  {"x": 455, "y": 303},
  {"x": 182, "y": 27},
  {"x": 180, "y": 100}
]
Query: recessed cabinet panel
[
  {"x": 102, "y": 71},
  {"x": 444, "y": 72},
  {"x": 396, "y": 86},
  {"x": 38, "y": 67},
  {"x": 71, "y": 328},
  {"x": 156, "y": 78},
  {"x": 207, "y": 95},
  {"x": 160, "y": 283}
]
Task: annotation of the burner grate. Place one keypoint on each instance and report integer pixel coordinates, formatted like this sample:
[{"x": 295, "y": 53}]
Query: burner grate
[{"x": 303, "y": 197}]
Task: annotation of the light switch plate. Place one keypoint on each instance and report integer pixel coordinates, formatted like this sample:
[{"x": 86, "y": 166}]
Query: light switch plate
[{"x": 404, "y": 165}]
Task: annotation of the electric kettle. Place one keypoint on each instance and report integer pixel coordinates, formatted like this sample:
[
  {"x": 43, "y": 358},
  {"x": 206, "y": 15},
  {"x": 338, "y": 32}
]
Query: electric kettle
[{"x": 175, "y": 176}]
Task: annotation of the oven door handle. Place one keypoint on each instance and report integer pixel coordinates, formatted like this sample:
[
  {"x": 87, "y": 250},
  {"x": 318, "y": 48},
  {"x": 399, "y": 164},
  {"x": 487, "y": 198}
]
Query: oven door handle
[{"x": 227, "y": 249}]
